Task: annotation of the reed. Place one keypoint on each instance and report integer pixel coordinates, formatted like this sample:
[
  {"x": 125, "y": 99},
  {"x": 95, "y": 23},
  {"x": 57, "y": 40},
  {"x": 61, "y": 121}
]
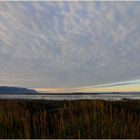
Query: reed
[{"x": 70, "y": 119}]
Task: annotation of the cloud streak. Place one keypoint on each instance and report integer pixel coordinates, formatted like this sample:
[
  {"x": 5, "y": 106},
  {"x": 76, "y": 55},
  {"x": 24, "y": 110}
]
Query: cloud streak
[{"x": 69, "y": 44}]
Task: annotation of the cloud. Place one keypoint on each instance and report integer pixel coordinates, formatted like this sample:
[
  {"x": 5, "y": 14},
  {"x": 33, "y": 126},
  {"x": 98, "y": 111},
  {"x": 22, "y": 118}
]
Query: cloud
[{"x": 69, "y": 44}]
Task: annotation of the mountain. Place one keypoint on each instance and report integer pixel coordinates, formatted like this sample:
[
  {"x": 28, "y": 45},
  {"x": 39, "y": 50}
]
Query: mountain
[{"x": 6, "y": 89}]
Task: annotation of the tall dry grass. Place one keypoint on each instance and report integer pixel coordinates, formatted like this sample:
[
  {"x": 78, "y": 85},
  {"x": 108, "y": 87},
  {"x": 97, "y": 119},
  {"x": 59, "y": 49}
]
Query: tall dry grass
[{"x": 70, "y": 119}]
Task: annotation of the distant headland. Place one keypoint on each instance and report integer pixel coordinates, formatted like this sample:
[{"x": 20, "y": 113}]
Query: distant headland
[{"x": 10, "y": 90}]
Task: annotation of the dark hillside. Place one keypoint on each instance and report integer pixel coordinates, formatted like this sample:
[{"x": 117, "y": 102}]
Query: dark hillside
[{"x": 7, "y": 90}]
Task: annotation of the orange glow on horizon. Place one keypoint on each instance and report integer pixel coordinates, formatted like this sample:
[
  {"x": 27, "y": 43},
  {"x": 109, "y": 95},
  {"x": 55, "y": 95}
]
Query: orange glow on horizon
[
  {"x": 113, "y": 89},
  {"x": 121, "y": 88},
  {"x": 51, "y": 90}
]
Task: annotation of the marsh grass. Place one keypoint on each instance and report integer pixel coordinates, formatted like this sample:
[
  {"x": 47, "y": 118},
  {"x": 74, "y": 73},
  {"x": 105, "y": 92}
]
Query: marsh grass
[{"x": 69, "y": 119}]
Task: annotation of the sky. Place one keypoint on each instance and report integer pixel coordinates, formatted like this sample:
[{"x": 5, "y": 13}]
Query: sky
[{"x": 60, "y": 45}]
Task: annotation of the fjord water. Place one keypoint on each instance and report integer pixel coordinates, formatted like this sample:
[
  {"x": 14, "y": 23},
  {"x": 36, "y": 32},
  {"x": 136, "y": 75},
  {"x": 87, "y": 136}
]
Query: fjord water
[{"x": 102, "y": 96}]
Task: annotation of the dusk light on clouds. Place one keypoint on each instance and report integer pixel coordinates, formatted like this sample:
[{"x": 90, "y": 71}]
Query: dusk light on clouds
[{"x": 69, "y": 44}]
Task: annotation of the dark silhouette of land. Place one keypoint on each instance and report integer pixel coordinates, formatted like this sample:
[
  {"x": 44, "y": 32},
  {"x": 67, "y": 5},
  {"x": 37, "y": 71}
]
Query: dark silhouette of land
[{"x": 14, "y": 90}]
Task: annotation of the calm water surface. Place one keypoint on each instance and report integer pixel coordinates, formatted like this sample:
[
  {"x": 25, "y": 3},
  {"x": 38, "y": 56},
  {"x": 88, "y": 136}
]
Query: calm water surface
[{"x": 71, "y": 97}]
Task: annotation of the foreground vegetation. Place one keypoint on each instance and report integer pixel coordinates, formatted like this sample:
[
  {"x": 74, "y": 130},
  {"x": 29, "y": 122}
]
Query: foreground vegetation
[{"x": 69, "y": 119}]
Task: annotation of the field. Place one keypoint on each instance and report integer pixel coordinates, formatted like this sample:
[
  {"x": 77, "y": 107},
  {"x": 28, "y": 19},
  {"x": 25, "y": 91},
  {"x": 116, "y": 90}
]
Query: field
[{"x": 69, "y": 119}]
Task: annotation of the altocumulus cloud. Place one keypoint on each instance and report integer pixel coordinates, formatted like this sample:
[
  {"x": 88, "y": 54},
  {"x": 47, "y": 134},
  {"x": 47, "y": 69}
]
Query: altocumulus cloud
[{"x": 69, "y": 44}]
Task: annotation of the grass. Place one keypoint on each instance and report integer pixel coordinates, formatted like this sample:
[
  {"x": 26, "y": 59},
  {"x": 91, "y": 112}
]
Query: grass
[{"x": 69, "y": 119}]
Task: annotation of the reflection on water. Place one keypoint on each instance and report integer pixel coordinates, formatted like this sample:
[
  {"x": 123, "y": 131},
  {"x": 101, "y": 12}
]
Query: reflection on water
[{"x": 72, "y": 97}]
